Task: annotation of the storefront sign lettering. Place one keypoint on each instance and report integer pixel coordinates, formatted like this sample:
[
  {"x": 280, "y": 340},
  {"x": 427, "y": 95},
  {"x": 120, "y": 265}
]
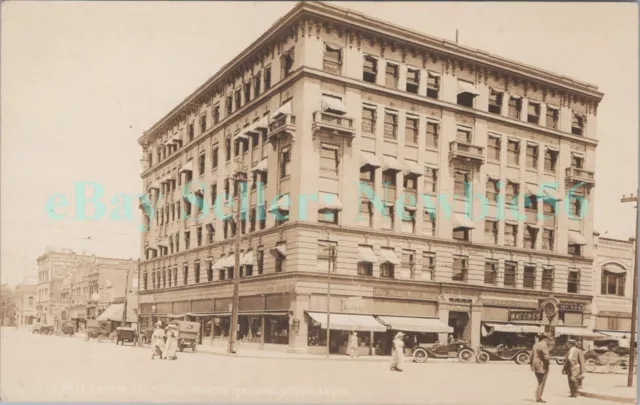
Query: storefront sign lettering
[
  {"x": 571, "y": 306},
  {"x": 274, "y": 288},
  {"x": 508, "y": 303},
  {"x": 458, "y": 300},
  {"x": 525, "y": 316},
  {"x": 383, "y": 292}
]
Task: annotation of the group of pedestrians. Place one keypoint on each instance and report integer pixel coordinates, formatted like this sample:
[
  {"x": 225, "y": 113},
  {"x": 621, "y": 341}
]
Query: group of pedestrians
[
  {"x": 164, "y": 342},
  {"x": 573, "y": 366}
]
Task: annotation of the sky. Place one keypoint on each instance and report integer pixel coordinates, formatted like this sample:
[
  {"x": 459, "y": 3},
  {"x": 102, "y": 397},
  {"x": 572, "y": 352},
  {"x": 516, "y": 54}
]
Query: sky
[{"x": 81, "y": 81}]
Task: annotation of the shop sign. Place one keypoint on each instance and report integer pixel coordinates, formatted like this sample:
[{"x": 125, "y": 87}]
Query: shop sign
[
  {"x": 508, "y": 303},
  {"x": 146, "y": 299},
  {"x": 571, "y": 306},
  {"x": 459, "y": 300},
  {"x": 412, "y": 294},
  {"x": 525, "y": 316},
  {"x": 272, "y": 288},
  {"x": 352, "y": 304},
  {"x": 615, "y": 314}
]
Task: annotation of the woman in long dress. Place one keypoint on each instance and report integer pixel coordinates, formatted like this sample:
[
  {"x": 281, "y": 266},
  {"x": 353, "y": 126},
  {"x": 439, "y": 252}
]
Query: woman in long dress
[
  {"x": 172, "y": 342},
  {"x": 397, "y": 352},
  {"x": 157, "y": 342}
]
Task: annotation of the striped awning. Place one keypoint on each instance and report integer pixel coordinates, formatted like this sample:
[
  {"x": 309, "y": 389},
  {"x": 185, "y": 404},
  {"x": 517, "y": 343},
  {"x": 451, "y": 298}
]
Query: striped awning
[
  {"x": 579, "y": 332},
  {"x": 349, "y": 322},
  {"x": 407, "y": 324},
  {"x": 332, "y": 104},
  {"x": 260, "y": 166},
  {"x": 513, "y": 328},
  {"x": 283, "y": 110},
  {"x": 368, "y": 158}
]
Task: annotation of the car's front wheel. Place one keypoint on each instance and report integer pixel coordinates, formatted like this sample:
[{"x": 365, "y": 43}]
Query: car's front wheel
[
  {"x": 465, "y": 355},
  {"x": 420, "y": 356},
  {"x": 522, "y": 358}
]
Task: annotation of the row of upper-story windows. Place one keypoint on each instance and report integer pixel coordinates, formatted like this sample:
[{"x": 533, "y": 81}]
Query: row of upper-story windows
[{"x": 466, "y": 94}]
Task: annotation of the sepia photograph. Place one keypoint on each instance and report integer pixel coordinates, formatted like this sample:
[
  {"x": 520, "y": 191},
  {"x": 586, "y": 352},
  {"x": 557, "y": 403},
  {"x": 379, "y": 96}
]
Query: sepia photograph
[{"x": 319, "y": 202}]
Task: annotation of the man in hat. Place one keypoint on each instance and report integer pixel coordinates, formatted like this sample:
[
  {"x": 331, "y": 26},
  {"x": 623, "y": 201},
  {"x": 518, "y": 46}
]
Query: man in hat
[
  {"x": 574, "y": 367},
  {"x": 397, "y": 352},
  {"x": 540, "y": 360}
]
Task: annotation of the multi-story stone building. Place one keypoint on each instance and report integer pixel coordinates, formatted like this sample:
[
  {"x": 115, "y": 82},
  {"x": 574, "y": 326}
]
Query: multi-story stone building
[
  {"x": 364, "y": 137},
  {"x": 613, "y": 287},
  {"x": 25, "y": 300},
  {"x": 77, "y": 287}
]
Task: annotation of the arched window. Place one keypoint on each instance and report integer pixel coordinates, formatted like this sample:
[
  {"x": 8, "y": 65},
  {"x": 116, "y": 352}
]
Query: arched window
[{"x": 613, "y": 280}]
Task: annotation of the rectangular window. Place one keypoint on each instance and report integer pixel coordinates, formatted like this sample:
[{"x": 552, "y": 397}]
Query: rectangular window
[
  {"x": 287, "y": 63},
  {"x": 492, "y": 190},
  {"x": 267, "y": 78},
  {"x": 433, "y": 85},
  {"x": 510, "y": 234},
  {"x": 491, "y": 231},
  {"x": 365, "y": 211},
  {"x": 329, "y": 160},
  {"x": 510, "y": 269},
  {"x": 388, "y": 217},
  {"x": 260, "y": 260},
  {"x": 390, "y": 125},
  {"x": 191, "y": 132},
  {"x": 203, "y": 123},
  {"x": 216, "y": 114},
  {"x": 460, "y": 268},
  {"x": 430, "y": 179},
  {"x": 495, "y": 102},
  {"x": 285, "y": 162},
  {"x": 550, "y": 160},
  {"x": 547, "y": 278},
  {"x": 529, "y": 277},
  {"x": 515, "y": 106},
  {"x": 513, "y": 152},
  {"x": 490, "y": 272},
  {"x": 494, "y": 145},
  {"x": 575, "y": 250},
  {"x": 548, "y": 239},
  {"x": 408, "y": 263},
  {"x": 413, "y": 80},
  {"x": 432, "y": 134},
  {"x": 552, "y": 117},
  {"x": 238, "y": 98},
  {"x": 196, "y": 272},
  {"x": 370, "y": 69},
  {"x": 247, "y": 92},
  {"x": 367, "y": 174},
  {"x": 462, "y": 180},
  {"x": 577, "y": 125},
  {"x": 573, "y": 282},
  {"x": 199, "y": 235},
  {"x": 387, "y": 270},
  {"x": 227, "y": 149},
  {"x": 211, "y": 233},
  {"x": 411, "y": 131},
  {"x": 533, "y": 113},
  {"x": 461, "y": 234},
  {"x": 532, "y": 156},
  {"x": 368, "y": 120},
  {"x": 214, "y": 158},
  {"x": 577, "y": 161},
  {"x": 185, "y": 274},
  {"x": 429, "y": 266},
  {"x": 332, "y": 61},
  {"x": 530, "y": 236},
  {"x": 187, "y": 239},
  {"x": 365, "y": 268},
  {"x": 612, "y": 283},
  {"x": 391, "y": 75},
  {"x": 463, "y": 135},
  {"x": 256, "y": 85},
  {"x": 201, "y": 164}
]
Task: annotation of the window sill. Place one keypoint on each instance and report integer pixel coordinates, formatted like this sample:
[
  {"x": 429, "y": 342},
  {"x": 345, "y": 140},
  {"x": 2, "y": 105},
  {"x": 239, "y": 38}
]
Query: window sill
[
  {"x": 369, "y": 135},
  {"x": 287, "y": 177},
  {"x": 432, "y": 148},
  {"x": 391, "y": 140},
  {"x": 532, "y": 170},
  {"x": 550, "y": 173},
  {"x": 512, "y": 166},
  {"x": 411, "y": 145}
]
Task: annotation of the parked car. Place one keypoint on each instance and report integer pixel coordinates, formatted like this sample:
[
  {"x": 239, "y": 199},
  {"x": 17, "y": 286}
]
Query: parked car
[
  {"x": 457, "y": 349},
  {"x": 124, "y": 334},
  {"x": 519, "y": 354},
  {"x": 188, "y": 335}
]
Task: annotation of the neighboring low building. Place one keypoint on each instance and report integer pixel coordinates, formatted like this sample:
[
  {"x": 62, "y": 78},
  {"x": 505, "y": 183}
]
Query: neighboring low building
[
  {"x": 613, "y": 287},
  {"x": 25, "y": 301}
]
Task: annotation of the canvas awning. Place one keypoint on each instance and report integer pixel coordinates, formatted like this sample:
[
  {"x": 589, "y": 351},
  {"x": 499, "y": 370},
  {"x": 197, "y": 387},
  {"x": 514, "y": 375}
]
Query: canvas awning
[
  {"x": 412, "y": 168},
  {"x": 243, "y": 134},
  {"x": 114, "y": 313},
  {"x": 260, "y": 166},
  {"x": 532, "y": 189},
  {"x": 579, "y": 332},
  {"x": 462, "y": 221},
  {"x": 390, "y": 162},
  {"x": 283, "y": 110},
  {"x": 349, "y": 322},
  {"x": 262, "y": 124},
  {"x": 549, "y": 193},
  {"x": 333, "y": 104},
  {"x": 220, "y": 264},
  {"x": 616, "y": 335},
  {"x": 280, "y": 249},
  {"x": 466, "y": 87},
  {"x": 365, "y": 254},
  {"x": 575, "y": 238},
  {"x": 283, "y": 204},
  {"x": 614, "y": 268},
  {"x": 153, "y": 185},
  {"x": 188, "y": 167},
  {"x": 247, "y": 259},
  {"x": 368, "y": 158},
  {"x": 513, "y": 328},
  {"x": 328, "y": 201},
  {"x": 389, "y": 256},
  {"x": 407, "y": 324}
]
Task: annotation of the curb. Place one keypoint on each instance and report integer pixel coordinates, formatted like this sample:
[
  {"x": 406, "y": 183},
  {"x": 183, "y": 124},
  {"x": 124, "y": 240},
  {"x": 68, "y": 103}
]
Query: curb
[
  {"x": 611, "y": 398},
  {"x": 319, "y": 358}
]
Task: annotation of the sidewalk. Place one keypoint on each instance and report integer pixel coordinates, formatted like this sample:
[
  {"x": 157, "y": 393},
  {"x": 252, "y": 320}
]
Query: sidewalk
[{"x": 614, "y": 390}]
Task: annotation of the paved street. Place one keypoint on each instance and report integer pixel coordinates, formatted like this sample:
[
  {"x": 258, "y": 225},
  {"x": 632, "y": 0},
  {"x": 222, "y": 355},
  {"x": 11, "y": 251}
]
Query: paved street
[{"x": 56, "y": 368}]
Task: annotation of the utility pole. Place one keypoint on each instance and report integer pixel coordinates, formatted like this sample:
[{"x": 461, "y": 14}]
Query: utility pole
[
  {"x": 331, "y": 258},
  {"x": 634, "y": 307},
  {"x": 126, "y": 294},
  {"x": 239, "y": 178}
]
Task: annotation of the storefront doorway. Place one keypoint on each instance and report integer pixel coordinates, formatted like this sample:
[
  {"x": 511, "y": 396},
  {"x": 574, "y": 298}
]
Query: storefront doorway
[{"x": 459, "y": 321}]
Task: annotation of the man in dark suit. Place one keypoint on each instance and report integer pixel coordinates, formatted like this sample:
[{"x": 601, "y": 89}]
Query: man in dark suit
[{"x": 540, "y": 360}]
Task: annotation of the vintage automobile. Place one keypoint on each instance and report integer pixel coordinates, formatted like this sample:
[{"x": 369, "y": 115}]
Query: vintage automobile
[
  {"x": 69, "y": 328},
  {"x": 519, "y": 354},
  {"x": 36, "y": 329},
  {"x": 124, "y": 334},
  {"x": 558, "y": 352},
  {"x": 46, "y": 330},
  {"x": 188, "y": 335},
  {"x": 100, "y": 330},
  {"x": 457, "y": 348}
]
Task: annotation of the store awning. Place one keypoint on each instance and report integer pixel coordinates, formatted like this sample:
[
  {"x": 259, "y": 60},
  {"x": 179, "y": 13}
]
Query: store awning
[
  {"x": 280, "y": 249},
  {"x": 575, "y": 238},
  {"x": 244, "y": 134},
  {"x": 368, "y": 158},
  {"x": 549, "y": 193},
  {"x": 579, "y": 332},
  {"x": 283, "y": 204},
  {"x": 614, "y": 268},
  {"x": 412, "y": 168},
  {"x": 391, "y": 163},
  {"x": 365, "y": 254},
  {"x": 513, "y": 328},
  {"x": 247, "y": 259},
  {"x": 466, "y": 87},
  {"x": 349, "y": 322},
  {"x": 284, "y": 109},
  {"x": 114, "y": 313},
  {"x": 328, "y": 201},
  {"x": 389, "y": 256},
  {"x": 406, "y": 324},
  {"x": 219, "y": 265},
  {"x": 462, "y": 221},
  {"x": 333, "y": 104},
  {"x": 262, "y": 124},
  {"x": 188, "y": 167},
  {"x": 532, "y": 189},
  {"x": 261, "y": 166},
  {"x": 616, "y": 335}
]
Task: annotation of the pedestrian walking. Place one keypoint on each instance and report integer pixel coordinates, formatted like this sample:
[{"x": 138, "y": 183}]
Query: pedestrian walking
[
  {"x": 352, "y": 348},
  {"x": 397, "y": 352},
  {"x": 157, "y": 341},
  {"x": 573, "y": 368},
  {"x": 172, "y": 342},
  {"x": 540, "y": 360}
]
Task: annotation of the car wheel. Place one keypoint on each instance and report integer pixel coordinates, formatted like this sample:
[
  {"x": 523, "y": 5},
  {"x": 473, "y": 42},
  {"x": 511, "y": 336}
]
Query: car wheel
[
  {"x": 482, "y": 357},
  {"x": 559, "y": 362},
  {"x": 465, "y": 355},
  {"x": 420, "y": 356},
  {"x": 590, "y": 365},
  {"x": 522, "y": 358}
]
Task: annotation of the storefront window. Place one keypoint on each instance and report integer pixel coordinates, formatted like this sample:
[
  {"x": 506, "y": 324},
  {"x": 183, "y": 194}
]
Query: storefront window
[
  {"x": 250, "y": 329},
  {"x": 221, "y": 327},
  {"x": 276, "y": 330},
  {"x": 316, "y": 336}
]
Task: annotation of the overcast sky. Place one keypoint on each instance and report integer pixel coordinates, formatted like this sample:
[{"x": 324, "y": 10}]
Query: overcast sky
[{"x": 82, "y": 80}]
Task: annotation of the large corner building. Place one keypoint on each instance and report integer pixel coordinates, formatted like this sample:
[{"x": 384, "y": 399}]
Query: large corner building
[{"x": 326, "y": 100}]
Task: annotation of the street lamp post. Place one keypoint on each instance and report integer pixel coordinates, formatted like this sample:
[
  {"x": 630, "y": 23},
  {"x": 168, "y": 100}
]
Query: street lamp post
[
  {"x": 126, "y": 295},
  {"x": 634, "y": 298},
  {"x": 239, "y": 178}
]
